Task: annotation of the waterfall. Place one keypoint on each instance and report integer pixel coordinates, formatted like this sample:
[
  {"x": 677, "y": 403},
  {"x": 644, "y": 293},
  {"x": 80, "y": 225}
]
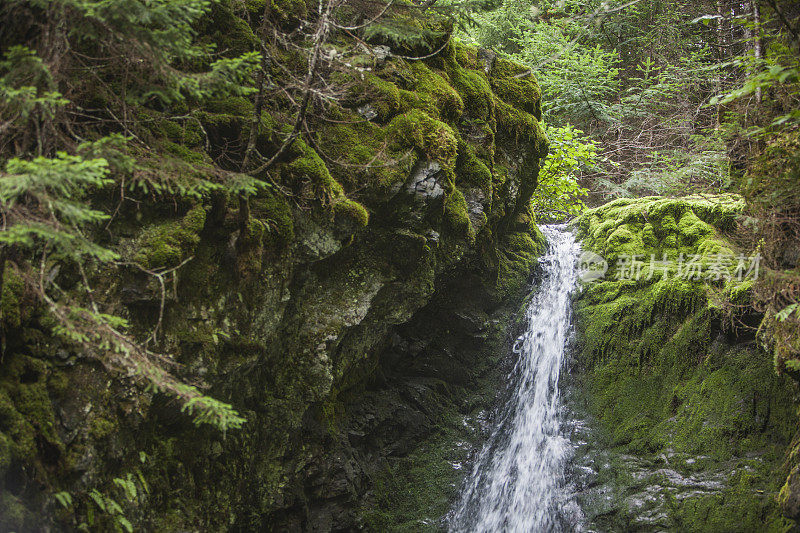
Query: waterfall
[{"x": 518, "y": 482}]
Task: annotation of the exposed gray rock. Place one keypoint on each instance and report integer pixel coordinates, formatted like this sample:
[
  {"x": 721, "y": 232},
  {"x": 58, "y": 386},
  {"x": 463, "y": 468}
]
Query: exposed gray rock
[
  {"x": 423, "y": 183},
  {"x": 476, "y": 204},
  {"x": 367, "y": 111},
  {"x": 315, "y": 242},
  {"x": 381, "y": 52},
  {"x": 487, "y": 57}
]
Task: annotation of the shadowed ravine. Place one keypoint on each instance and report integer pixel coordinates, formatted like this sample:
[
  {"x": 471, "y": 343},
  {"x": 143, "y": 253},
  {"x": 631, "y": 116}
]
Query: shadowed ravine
[{"x": 519, "y": 480}]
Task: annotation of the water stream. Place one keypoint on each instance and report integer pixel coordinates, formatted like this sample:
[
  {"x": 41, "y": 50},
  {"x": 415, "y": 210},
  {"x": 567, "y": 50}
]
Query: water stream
[{"x": 519, "y": 481}]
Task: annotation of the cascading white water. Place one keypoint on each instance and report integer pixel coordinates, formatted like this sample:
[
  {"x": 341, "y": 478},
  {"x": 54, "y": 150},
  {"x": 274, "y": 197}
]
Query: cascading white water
[{"x": 518, "y": 482}]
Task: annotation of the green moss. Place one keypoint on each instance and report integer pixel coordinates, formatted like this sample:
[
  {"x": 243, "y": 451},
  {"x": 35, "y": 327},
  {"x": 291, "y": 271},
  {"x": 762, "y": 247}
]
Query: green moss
[
  {"x": 28, "y": 433},
  {"x": 663, "y": 212},
  {"x": 166, "y": 244},
  {"x": 474, "y": 90},
  {"x": 517, "y": 258},
  {"x": 521, "y": 126},
  {"x": 740, "y": 507},
  {"x": 668, "y": 225},
  {"x": 431, "y": 137},
  {"x": 515, "y": 85},
  {"x": 365, "y": 160},
  {"x": 250, "y": 250},
  {"x": 171, "y": 129},
  {"x": 661, "y": 379},
  {"x": 463, "y": 55},
  {"x": 100, "y": 427},
  {"x": 273, "y": 209},
  {"x": 185, "y": 153},
  {"x": 381, "y": 94},
  {"x": 230, "y": 34},
  {"x": 289, "y": 13},
  {"x": 186, "y": 132},
  {"x": 456, "y": 217},
  {"x": 649, "y": 236},
  {"x": 771, "y": 181},
  {"x": 12, "y": 513},
  {"x": 230, "y": 105},
  {"x": 309, "y": 166},
  {"x": 350, "y": 211},
  {"x": 692, "y": 228},
  {"x": 11, "y": 301},
  {"x": 471, "y": 170},
  {"x": 414, "y": 492},
  {"x": 436, "y": 96},
  {"x": 255, "y": 7},
  {"x": 17, "y": 433},
  {"x": 647, "y": 226}
]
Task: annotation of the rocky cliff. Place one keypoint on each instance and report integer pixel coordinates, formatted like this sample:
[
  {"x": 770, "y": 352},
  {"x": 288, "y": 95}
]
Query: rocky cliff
[{"x": 353, "y": 320}]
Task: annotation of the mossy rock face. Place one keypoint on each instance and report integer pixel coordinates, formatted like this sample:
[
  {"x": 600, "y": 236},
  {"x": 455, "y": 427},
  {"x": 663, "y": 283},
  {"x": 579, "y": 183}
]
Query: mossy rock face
[
  {"x": 770, "y": 186},
  {"x": 473, "y": 170},
  {"x": 475, "y": 90},
  {"x": 661, "y": 375},
  {"x": 518, "y": 256},
  {"x": 166, "y": 244},
  {"x": 478, "y": 121},
  {"x": 30, "y": 435},
  {"x": 273, "y": 209},
  {"x": 456, "y": 215},
  {"x": 321, "y": 318},
  {"x": 16, "y": 305},
  {"x": 771, "y": 181},
  {"x": 516, "y": 85},
  {"x": 434, "y": 138}
]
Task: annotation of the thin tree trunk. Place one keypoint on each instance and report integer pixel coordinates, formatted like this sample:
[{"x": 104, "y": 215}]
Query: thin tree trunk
[
  {"x": 320, "y": 37},
  {"x": 720, "y": 43},
  {"x": 261, "y": 75},
  {"x": 757, "y": 44}
]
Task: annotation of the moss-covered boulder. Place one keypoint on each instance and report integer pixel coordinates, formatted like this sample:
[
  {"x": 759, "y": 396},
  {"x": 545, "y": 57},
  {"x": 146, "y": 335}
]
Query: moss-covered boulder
[{"x": 670, "y": 369}]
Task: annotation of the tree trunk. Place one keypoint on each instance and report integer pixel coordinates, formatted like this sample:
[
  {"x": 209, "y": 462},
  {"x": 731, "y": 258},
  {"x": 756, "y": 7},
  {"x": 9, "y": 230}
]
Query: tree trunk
[
  {"x": 757, "y": 44},
  {"x": 720, "y": 47},
  {"x": 261, "y": 76}
]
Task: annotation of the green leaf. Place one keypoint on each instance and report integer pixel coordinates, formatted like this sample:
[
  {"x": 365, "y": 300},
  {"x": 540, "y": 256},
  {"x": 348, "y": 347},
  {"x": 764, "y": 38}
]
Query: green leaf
[
  {"x": 125, "y": 523},
  {"x": 98, "y": 499},
  {"x": 792, "y": 364},
  {"x": 786, "y": 312},
  {"x": 64, "y": 498}
]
